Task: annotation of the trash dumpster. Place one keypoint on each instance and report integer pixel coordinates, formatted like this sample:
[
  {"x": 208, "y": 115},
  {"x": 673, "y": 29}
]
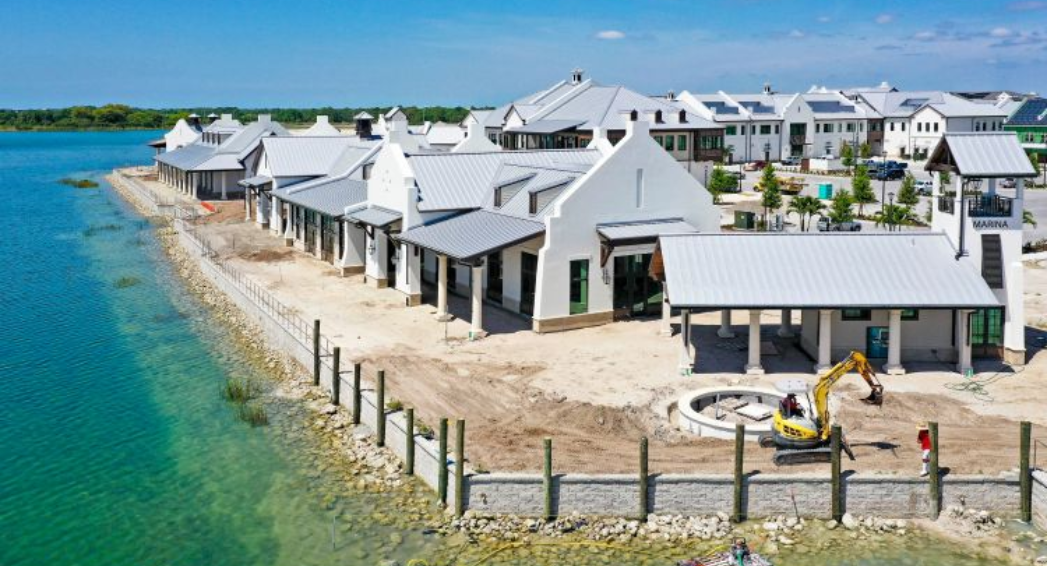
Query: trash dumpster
[{"x": 744, "y": 220}]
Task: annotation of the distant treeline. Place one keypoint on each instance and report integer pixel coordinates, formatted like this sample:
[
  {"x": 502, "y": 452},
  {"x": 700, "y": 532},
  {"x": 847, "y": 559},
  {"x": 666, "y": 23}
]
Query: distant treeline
[{"x": 120, "y": 116}]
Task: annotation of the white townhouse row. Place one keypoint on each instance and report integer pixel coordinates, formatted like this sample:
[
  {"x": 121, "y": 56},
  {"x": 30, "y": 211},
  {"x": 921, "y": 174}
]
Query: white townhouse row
[{"x": 579, "y": 236}]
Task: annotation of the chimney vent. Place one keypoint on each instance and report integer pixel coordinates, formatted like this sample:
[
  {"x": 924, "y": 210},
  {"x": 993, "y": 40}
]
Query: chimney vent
[
  {"x": 576, "y": 76},
  {"x": 767, "y": 88}
]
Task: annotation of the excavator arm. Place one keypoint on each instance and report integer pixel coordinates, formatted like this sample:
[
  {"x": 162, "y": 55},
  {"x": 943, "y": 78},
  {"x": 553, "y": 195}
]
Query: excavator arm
[{"x": 857, "y": 362}]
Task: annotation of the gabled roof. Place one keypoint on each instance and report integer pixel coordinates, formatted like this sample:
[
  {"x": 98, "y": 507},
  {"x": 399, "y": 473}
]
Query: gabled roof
[
  {"x": 302, "y": 156},
  {"x": 186, "y": 157},
  {"x": 451, "y": 181},
  {"x": 442, "y": 133},
  {"x": 322, "y": 127},
  {"x": 608, "y": 107},
  {"x": 330, "y": 198},
  {"x": 625, "y": 232},
  {"x": 982, "y": 154},
  {"x": 376, "y": 216},
  {"x": 473, "y": 235},
  {"x": 911, "y": 270},
  {"x": 903, "y": 104}
]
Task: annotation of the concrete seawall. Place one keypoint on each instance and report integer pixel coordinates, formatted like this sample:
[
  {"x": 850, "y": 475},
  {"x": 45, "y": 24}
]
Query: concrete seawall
[{"x": 607, "y": 495}]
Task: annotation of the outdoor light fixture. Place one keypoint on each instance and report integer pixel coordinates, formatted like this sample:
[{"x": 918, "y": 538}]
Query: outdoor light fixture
[{"x": 370, "y": 248}]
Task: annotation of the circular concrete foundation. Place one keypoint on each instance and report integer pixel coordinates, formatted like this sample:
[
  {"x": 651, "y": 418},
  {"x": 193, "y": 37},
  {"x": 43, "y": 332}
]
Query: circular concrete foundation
[{"x": 715, "y": 411}]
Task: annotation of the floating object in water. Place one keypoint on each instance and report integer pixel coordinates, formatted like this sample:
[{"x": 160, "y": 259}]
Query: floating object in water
[{"x": 725, "y": 559}]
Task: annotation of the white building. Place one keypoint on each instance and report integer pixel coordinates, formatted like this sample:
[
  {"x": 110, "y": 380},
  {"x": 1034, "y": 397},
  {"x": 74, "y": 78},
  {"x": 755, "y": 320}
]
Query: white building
[
  {"x": 914, "y": 121},
  {"x": 950, "y": 295},
  {"x": 564, "y": 237}
]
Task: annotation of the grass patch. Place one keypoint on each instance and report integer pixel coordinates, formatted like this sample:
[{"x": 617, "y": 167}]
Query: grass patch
[
  {"x": 126, "y": 281},
  {"x": 239, "y": 390},
  {"x": 253, "y": 414},
  {"x": 98, "y": 228},
  {"x": 425, "y": 430},
  {"x": 395, "y": 405},
  {"x": 79, "y": 183}
]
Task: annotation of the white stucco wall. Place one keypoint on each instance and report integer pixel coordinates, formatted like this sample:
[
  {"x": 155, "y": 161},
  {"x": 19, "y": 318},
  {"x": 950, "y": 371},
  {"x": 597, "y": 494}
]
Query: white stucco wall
[
  {"x": 608, "y": 193},
  {"x": 180, "y": 135}
]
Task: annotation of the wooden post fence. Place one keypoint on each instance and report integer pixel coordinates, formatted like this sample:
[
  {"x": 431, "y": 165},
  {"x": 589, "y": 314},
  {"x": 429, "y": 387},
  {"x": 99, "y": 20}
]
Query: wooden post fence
[
  {"x": 441, "y": 478},
  {"x": 459, "y": 469},
  {"x": 409, "y": 449},
  {"x": 644, "y": 483},
  {"x": 316, "y": 352},
  {"x": 547, "y": 470},
  {"x": 934, "y": 477},
  {"x": 837, "y": 496},
  {"x": 739, "y": 470},
  {"x": 336, "y": 376},
  {"x": 356, "y": 392},
  {"x": 1026, "y": 473},
  {"x": 381, "y": 408}
]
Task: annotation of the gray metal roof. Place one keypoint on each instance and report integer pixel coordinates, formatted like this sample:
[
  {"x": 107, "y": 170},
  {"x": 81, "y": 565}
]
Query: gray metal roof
[
  {"x": 186, "y": 157},
  {"x": 646, "y": 230},
  {"x": 376, "y": 216},
  {"x": 546, "y": 126},
  {"x": 307, "y": 156},
  {"x": 330, "y": 198},
  {"x": 918, "y": 270},
  {"x": 982, "y": 154},
  {"x": 220, "y": 162},
  {"x": 453, "y": 181},
  {"x": 256, "y": 181},
  {"x": 472, "y": 235},
  {"x": 608, "y": 107}
]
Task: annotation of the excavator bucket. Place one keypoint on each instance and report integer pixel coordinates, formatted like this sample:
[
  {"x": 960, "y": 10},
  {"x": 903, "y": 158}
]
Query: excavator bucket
[{"x": 876, "y": 397}]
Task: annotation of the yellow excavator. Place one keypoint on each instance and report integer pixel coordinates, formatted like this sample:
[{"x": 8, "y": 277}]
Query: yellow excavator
[{"x": 800, "y": 438}]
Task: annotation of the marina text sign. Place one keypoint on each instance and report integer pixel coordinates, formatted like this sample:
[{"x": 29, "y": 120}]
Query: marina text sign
[{"x": 992, "y": 224}]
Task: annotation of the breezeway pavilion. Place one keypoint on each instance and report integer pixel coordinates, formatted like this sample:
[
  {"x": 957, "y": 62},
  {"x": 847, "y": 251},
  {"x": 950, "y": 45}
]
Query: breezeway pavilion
[{"x": 895, "y": 297}]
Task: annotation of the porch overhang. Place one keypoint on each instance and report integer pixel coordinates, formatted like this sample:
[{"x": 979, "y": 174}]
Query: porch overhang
[
  {"x": 469, "y": 237},
  {"x": 619, "y": 234},
  {"x": 981, "y": 155},
  {"x": 255, "y": 182}
]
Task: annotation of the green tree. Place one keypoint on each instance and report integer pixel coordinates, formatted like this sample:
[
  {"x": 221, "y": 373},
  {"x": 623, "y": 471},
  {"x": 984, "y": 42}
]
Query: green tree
[
  {"x": 1029, "y": 218},
  {"x": 720, "y": 181},
  {"x": 840, "y": 209},
  {"x": 847, "y": 155},
  {"x": 806, "y": 207},
  {"x": 865, "y": 150},
  {"x": 894, "y": 216},
  {"x": 771, "y": 199},
  {"x": 907, "y": 193},
  {"x": 945, "y": 178},
  {"x": 863, "y": 193}
]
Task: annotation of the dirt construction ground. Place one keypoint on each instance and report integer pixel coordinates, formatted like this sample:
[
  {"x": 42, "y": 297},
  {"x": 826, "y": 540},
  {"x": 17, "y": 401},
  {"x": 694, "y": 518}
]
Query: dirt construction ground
[{"x": 596, "y": 391}]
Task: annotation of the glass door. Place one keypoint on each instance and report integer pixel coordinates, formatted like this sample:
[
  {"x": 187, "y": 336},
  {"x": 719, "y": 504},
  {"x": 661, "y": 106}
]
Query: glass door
[
  {"x": 987, "y": 333},
  {"x": 528, "y": 282},
  {"x": 635, "y": 292},
  {"x": 877, "y": 339},
  {"x": 494, "y": 277}
]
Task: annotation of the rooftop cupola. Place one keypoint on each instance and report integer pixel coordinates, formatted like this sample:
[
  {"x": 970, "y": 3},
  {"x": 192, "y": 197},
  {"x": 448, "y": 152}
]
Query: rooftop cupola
[
  {"x": 767, "y": 88},
  {"x": 577, "y": 76},
  {"x": 364, "y": 122},
  {"x": 210, "y": 118}
]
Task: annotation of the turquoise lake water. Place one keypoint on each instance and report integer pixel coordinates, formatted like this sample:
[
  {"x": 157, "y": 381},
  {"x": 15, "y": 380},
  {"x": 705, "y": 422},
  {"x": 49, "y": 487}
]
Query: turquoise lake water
[{"x": 115, "y": 447}]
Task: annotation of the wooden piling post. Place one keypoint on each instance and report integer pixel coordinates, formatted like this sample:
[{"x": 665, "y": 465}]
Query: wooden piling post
[
  {"x": 837, "y": 497},
  {"x": 1026, "y": 473},
  {"x": 548, "y": 478},
  {"x": 409, "y": 452},
  {"x": 316, "y": 352},
  {"x": 739, "y": 470},
  {"x": 380, "y": 428},
  {"x": 336, "y": 377},
  {"x": 441, "y": 481},
  {"x": 357, "y": 370},
  {"x": 459, "y": 468},
  {"x": 644, "y": 479},
  {"x": 935, "y": 479}
]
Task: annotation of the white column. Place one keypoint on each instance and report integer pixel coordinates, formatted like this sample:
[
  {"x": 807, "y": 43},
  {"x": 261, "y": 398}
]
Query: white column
[
  {"x": 476, "y": 286},
  {"x": 686, "y": 359},
  {"x": 754, "y": 367},
  {"x": 725, "y": 325},
  {"x": 1014, "y": 313},
  {"x": 289, "y": 233},
  {"x": 825, "y": 341},
  {"x": 785, "y": 330},
  {"x": 247, "y": 205},
  {"x": 963, "y": 342},
  {"x": 276, "y": 213},
  {"x": 441, "y": 289},
  {"x": 223, "y": 175},
  {"x": 667, "y": 313},
  {"x": 894, "y": 343}
]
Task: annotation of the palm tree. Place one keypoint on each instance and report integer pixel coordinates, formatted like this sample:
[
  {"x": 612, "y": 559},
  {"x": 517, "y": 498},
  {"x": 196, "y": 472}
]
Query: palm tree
[
  {"x": 1028, "y": 218},
  {"x": 894, "y": 216},
  {"x": 806, "y": 207}
]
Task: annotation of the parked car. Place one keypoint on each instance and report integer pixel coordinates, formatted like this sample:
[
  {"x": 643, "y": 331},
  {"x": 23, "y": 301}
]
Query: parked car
[
  {"x": 791, "y": 161},
  {"x": 755, "y": 165},
  {"x": 1008, "y": 184},
  {"x": 924, "y": 188},
  {"x": 825, "y": 225},
  {"x": 889, "y": 174}
]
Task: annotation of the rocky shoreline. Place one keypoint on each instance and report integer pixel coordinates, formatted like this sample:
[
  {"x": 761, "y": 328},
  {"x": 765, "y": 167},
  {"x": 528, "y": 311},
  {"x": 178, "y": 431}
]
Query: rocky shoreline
[{"x": 373, "y": 469}]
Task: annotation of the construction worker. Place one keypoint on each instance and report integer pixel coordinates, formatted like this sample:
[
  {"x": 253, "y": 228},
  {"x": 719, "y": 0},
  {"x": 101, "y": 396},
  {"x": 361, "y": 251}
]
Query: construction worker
[
  {"x": 924, "y": 438},
  {"x": 740, "y": 551},
  {"x": 790, "y": 407}
]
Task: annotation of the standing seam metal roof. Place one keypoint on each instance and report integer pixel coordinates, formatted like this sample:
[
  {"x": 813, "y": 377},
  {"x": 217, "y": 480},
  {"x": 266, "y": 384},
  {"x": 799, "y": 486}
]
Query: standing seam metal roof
[
  {"x": 331, "y": 198},
  {"x": 473, "y": 235},
  {"x": 820, "y": 271},
  {"x": 984, "y": 154}
]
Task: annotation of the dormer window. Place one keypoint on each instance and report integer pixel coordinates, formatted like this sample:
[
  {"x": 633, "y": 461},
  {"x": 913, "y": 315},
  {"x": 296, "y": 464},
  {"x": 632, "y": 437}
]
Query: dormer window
[
  {"x": 683, "y": 116},
  {"x": 657, "y": 116},
  {"x": 498, "y": 197},
  {"x": 634, "y": 116},
  {"x": 532, "y": 207}
]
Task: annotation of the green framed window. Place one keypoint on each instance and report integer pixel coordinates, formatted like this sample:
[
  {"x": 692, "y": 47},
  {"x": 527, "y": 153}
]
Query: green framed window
[
  {"x": 669, "y": 142},
  {"x": 579, "y": 286},
  {"x": 766, "y": 129},
  {"x": 732, "y": 130},
  {"x": 660, "y": 140},
  {"x": 856, "y": 314},
  {"x": 681, "y": 142},
  {"x": 910, "y": 314}
]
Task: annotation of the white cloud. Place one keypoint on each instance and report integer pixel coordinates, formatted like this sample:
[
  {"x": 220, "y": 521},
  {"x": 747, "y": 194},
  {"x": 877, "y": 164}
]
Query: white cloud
[
  {"x": 925, "y": 36},
  {"x": 1000, "y": 32},
  {"x": 797, "y": 34},
  {"x": 824, "y": 19},
  {"x": 1027, "y": 6},
  {"x": 884, "y": 19},
  {"x": 610, "y": 34}
]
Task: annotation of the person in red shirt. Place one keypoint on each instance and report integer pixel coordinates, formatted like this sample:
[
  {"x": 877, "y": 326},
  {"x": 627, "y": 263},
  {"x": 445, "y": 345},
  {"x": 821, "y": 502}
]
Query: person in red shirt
[
  {"x": 790, "y": 407},
  {"x": 924, "y": 438}
]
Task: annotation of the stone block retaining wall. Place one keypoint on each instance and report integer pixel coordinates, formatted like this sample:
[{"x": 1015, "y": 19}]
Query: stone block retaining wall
[{"x": 1039, "y": 499}]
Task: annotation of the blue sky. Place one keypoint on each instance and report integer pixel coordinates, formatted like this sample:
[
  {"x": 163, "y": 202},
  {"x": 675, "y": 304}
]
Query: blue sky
[{"x": 476, "y": 52}]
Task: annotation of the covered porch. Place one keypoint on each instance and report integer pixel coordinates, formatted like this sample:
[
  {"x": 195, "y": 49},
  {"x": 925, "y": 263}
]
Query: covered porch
[
  {"x": 896, "y": 298},
  {"x": 475, "y": 241},
  {"x": 315, "y": 218}
]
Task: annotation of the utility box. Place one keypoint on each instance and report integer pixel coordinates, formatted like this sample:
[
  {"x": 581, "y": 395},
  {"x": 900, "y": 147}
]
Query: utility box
[
  {"x": 744, "y": 220},
  {"x": 825, "y": 191}
]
